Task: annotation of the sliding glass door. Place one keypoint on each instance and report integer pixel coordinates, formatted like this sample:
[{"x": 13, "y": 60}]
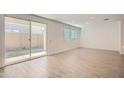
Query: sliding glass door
[
  {"x": 23, "y": 40},
  {"x": 17, "y": 36}
]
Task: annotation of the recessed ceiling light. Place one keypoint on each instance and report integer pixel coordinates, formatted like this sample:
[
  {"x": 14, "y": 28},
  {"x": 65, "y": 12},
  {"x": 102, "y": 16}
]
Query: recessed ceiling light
[{"x": 106, "y": 19}]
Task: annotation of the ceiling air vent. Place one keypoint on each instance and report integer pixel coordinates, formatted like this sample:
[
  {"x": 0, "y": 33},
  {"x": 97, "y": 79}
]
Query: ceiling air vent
[{"x": 106, "y": 19}]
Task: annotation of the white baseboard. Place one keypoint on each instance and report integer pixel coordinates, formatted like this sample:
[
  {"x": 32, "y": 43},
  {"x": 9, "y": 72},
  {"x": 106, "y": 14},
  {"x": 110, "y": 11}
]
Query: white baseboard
[
  {"x": 122, "y": 53},
  {"x": 49, "y": 54},
  {"x": 100, "y": 49}
]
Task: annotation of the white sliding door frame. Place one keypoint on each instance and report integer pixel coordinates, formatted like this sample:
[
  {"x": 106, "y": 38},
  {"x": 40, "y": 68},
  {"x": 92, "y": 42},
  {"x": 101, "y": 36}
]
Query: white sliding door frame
[{"x": 2, "y": 41}]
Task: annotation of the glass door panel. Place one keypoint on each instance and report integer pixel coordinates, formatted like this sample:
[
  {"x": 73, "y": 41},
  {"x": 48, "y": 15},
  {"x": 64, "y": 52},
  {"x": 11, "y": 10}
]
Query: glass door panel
[
  {"x": 17, "y": 40},
  {"x": 38, "y": 31}
]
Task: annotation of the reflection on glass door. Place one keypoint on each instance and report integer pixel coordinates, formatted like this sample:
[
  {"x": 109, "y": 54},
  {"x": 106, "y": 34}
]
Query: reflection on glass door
[
  {"x": 38, "y": 31},
  {"x": 17, "y": 40}
]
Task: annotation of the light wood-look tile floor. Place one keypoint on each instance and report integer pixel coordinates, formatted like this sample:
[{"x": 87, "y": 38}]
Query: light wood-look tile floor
[{"x": 78, "y": 63}]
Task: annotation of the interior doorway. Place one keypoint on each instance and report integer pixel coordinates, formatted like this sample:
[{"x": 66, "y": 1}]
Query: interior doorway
[{"x": 24, "y": 40}]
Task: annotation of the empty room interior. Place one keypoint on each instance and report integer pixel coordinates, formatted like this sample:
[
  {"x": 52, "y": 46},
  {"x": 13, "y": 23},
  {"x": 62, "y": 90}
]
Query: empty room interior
[{"x": 61, "y": 45}]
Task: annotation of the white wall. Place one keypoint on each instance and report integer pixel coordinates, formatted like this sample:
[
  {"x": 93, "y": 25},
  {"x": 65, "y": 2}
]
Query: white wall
[
  {"x": 56, "y": 43},
  {"x": 101, "y": 35},
  {"x": 1, "y": 40},
  {"x": 121, "y": 50}
]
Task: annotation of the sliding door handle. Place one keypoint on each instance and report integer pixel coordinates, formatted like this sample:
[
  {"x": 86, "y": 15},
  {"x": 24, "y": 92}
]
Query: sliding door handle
[{"x": 29, "y": 39}]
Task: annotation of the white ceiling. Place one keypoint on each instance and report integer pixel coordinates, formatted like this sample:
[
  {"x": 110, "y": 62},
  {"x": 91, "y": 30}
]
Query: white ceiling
[{"x": 80, "y": 19}]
